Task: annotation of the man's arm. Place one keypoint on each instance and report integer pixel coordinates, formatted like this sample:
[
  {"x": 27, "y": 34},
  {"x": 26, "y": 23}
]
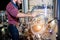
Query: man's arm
[
  {"x": 15, "y": 13},
  {"x": 24, "y": 15}
]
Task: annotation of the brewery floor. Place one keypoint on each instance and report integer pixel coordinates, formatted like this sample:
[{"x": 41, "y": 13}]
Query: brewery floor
[{"x": 20, "y": 38}]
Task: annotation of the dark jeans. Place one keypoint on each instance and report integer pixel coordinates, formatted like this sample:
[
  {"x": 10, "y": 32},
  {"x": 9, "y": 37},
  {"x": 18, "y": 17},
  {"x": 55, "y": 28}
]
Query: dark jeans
[{"x": 13, "y": 31}]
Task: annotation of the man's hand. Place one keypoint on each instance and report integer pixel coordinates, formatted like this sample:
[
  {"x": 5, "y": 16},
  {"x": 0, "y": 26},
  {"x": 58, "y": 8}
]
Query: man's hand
[
  {"x": 34, "y": 14},
  {"x": 29, "y": 14}
]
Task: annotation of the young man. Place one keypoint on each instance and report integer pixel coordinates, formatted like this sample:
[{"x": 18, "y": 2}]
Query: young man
[{"x": 13, "y": 14}]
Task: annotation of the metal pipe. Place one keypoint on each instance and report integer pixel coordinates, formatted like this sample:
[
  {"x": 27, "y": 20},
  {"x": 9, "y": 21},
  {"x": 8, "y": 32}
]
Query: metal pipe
[{"x": 25, "y": 9}]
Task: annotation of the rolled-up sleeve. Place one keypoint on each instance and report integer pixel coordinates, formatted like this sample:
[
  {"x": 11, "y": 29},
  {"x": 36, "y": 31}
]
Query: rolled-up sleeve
[{"x": 12, "y": 11}]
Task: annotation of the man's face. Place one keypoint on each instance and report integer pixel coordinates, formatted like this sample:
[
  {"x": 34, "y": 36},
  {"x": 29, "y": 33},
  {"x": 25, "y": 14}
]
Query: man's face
[{"x": 19, "y": 1}]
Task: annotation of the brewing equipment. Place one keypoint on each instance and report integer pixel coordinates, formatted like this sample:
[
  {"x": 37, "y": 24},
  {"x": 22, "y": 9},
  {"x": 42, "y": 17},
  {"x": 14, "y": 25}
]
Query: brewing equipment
[{"x": 44, "y": 25}]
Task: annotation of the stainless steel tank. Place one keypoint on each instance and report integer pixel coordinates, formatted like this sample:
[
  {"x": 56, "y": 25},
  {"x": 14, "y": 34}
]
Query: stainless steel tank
[{"x": 46, "y": 23}]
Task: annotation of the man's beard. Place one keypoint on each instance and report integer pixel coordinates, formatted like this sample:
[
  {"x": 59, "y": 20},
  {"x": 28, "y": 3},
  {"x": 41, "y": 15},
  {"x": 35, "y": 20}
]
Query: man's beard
[{"x": 19, "y": 5}]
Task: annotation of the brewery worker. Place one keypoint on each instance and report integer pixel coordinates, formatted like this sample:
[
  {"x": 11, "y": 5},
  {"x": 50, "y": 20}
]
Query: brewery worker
[{"x": 13, "y": 14}]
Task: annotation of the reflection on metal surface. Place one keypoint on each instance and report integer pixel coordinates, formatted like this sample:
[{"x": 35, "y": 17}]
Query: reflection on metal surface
[{"x": 38, "y": 24}]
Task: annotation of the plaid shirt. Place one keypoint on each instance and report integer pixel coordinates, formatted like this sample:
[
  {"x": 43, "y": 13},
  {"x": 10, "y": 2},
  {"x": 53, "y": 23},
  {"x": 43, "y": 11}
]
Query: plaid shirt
[{"x": 11, "y": 12}]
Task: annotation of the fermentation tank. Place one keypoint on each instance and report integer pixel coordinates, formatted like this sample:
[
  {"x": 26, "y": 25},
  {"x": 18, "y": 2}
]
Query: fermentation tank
[{"x": 45, "y": 23}]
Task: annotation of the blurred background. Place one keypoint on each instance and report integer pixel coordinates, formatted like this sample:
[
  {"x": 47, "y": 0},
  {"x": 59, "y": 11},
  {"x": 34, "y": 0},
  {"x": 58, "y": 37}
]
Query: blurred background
[{"x": 49, "y": 8}]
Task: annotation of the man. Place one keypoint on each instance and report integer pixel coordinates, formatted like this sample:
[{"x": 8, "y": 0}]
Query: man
[{"x": 13, "y": 14}]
